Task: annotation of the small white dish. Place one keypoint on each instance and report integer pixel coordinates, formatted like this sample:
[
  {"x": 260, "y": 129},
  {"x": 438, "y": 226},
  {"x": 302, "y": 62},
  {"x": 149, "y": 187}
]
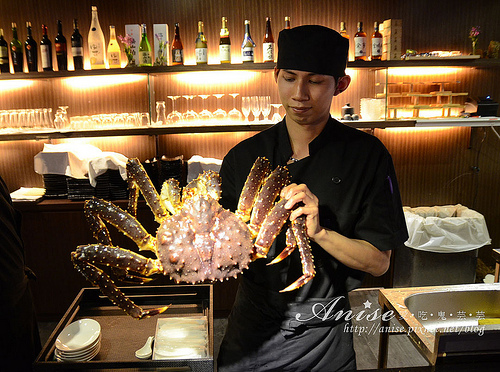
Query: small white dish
[{"x": 78, "y": 335}]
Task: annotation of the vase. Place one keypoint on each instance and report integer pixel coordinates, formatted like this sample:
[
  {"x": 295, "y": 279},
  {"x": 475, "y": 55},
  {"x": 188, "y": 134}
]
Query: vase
[{"x": 474, "y": 47}]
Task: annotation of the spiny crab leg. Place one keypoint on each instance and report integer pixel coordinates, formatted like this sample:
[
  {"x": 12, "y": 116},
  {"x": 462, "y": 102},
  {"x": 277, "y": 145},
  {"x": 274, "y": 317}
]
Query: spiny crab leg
[
  {"x": 84, "y": 259},
  {"x": 260, "y": 169},
  {"x": 138, "y": 180},
  {"x": 264, "y": 202},
  {"x": 97, "y": 211},
  {"x": 306, "y": 258},
  {"x": 270, "y": 228}
]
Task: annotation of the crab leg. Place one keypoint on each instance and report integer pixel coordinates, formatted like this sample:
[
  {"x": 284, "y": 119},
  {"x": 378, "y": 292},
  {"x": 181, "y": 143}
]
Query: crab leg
[
  {"x": 254, "y": 181},
  {"x": 85, "y": 256},
  {"x": 97, "y": 211},
  {"x": 270, "y": 228},
  {"x": 273, "y": 184},
  {"x": 138, "y": 180},
  {"x": 306, "y": 258}
]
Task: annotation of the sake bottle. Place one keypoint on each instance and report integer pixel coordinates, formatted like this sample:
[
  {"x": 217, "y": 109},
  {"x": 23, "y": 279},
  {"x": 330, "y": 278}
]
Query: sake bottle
[
  {"x": 96, "y": 43},
  {"x": 224, "y": 43},
  {"x": 113, "y": 53},
  {"x": 201, "y": 46},
  {"x": 248, "y": 45},
  {"x": 145, "y": 57}
]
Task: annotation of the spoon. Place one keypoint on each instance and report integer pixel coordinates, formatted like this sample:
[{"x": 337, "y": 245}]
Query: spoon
[{"x": 146, "y": 351}]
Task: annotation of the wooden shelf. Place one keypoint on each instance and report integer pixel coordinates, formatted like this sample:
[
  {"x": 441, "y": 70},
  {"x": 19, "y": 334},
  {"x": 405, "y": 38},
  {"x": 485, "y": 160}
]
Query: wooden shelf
[{"x": 476, "y": 63}]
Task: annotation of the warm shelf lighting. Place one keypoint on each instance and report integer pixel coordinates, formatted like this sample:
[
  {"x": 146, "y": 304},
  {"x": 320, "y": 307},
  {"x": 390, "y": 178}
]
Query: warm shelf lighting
[
  {"x": 16, "y": 84},
  {"x": 86, "y": 82},
  {"x": 215, "y": 77},
  {"x": 422, "y": 71}
]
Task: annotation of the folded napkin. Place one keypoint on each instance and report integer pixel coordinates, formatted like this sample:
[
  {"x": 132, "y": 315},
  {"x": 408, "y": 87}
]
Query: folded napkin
[
  {"x": 28, "y": 194},
  {"x": 198, "y": 164}
]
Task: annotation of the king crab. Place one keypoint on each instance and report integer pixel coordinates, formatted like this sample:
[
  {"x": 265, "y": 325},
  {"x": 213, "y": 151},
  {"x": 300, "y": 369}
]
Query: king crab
[{"x": 197, "y": 239}]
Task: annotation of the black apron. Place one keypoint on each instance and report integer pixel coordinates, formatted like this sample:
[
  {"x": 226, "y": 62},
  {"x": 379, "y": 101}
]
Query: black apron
[{"x": 265, "y": 334}]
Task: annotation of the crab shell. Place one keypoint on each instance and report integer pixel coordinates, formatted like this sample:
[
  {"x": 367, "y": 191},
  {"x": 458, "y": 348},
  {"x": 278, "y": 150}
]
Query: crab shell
[{"x": 203, "y": 241}]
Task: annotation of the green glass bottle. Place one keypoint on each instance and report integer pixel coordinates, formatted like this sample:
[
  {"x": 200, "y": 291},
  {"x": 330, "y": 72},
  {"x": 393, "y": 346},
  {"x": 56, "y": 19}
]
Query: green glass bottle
[
  {"x": 4, "y": 54},
  {"x": 145, "y": 58},
  {"x": 16, "y": 50}
]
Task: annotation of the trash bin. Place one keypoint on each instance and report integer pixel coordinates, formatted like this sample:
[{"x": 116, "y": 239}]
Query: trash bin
[{"x": 442, "y": 246}]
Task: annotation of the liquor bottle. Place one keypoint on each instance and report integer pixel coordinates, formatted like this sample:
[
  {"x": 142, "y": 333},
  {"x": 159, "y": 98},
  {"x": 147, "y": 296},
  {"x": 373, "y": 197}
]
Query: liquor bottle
[
  {"x": 113, "y": 54},
  {"x": 16, "y": 51},
  {"x": 97, "y": 43},
  {"x": 4, "y": 53},
  {"x": 248, "y": 46},
  {"x": 177, "y": 48},
  {"x": 268, "y": 43},
  {"x": 343, "y": 31},
  {"x": 46, "y": 50},
  {"x": 376, "y": 43},
  {"x": 31, "y": 49},
  {"x": 224, "y": 43},
  {"x": 61, "y": 49},
  {"x": 77, "y": 46},
  {"x": 145, "y": 55},
  {"x": 287, "y": 23},
  {"x": 201, "y": 46},
  {"x": 360, "y": 43}
]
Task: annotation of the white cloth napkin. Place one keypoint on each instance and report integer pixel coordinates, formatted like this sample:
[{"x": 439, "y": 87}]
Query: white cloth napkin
[{"x": 197, "y": 164}]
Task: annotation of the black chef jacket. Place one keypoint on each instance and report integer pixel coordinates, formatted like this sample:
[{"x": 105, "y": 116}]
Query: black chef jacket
[
  {"x": 19, "y": 338},
  {"x": 352, "y": 174}
]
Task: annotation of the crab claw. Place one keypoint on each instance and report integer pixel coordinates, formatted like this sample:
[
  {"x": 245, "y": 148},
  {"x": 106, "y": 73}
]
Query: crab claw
[
  {"x": 306, "y": 257},
  {"x": 291, "y": 244}
]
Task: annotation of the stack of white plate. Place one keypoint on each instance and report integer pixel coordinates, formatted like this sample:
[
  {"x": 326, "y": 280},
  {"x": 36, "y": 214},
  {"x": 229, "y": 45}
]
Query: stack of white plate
[{"x": 78, "y": 342}]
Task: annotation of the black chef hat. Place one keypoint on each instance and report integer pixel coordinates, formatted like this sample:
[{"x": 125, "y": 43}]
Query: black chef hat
[{"x": 313, "y": 48}]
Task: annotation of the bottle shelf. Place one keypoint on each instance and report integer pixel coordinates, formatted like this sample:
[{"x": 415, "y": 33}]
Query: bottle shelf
[{"x": 152, "y": 70}]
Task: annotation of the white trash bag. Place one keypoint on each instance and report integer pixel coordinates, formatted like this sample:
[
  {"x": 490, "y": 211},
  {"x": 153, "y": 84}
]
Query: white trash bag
[{"x": 445, "y": 229}]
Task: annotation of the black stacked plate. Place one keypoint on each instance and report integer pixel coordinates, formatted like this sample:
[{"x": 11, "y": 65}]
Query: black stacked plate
[
  {"x": 79, "y": 188},
  {"x": 111, "y": 186},
  {"x": 118, "y": 188},
  {"x": 151, "y": 166},
  {"x": 55, "y": 186},
  {"x": 102, "y": 186},
  {"x": 171, "y": 168}
]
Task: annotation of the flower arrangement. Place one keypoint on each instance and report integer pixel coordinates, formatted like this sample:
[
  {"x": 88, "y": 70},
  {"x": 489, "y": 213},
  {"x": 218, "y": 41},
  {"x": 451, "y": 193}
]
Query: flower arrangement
[
  {"x": 161, "y": 55},
  {"x": 474, "y": 35},
  {"x": 127, "y": 42}
]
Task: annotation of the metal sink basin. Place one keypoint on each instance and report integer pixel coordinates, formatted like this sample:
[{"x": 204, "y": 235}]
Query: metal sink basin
[
  {"x": 444, "y": 321},
  {"x": 454, "y": 308}
]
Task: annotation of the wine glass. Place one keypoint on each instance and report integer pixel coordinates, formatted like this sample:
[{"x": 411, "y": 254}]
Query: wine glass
[
  {"x": 255, "y": 107},
  {"x": 219, "y": 114},
  {"x": 265, "y": 106},
  {"x": 190, "y": 114},
  {"x": 205, "y": 114},
  {"x": 175, "y": 116},
  {"x": 64, "y": 111},
  {"x": 245, "y": 107},
  {"x": 276, "y": 116},
  {"x": 234, "y": 114},
  {"x": 161, "y": 118}
]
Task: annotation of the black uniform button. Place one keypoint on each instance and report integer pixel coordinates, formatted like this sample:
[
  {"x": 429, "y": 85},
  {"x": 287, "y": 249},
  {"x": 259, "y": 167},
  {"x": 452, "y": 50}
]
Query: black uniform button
[{"x": 336, "y": 180}]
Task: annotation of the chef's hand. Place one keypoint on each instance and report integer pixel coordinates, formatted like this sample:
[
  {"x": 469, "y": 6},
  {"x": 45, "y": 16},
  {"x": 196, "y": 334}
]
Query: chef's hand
[{"x": 306, "y": 204}]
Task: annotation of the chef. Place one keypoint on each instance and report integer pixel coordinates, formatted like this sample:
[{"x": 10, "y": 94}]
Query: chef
[{"x": 343, "y": 181}]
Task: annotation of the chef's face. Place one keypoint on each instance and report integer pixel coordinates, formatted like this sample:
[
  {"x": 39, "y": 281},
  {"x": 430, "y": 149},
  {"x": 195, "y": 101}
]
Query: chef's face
[{"x": 307, "y": 96}]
